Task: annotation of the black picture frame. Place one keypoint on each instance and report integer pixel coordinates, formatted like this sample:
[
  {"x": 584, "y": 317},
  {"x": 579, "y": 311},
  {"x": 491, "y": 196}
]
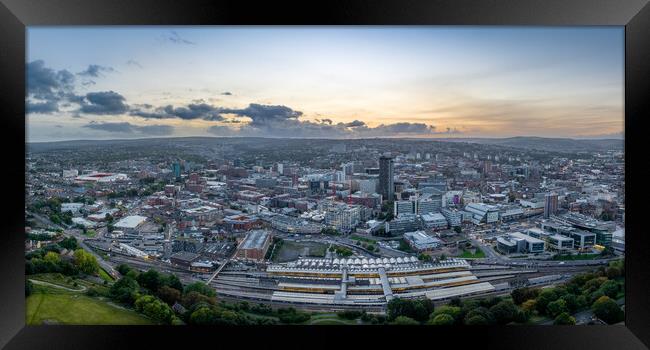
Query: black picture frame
[{"x": 15, "y": 15}]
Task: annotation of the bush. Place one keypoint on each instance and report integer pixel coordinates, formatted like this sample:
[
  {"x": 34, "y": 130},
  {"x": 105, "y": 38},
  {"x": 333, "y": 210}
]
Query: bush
[
  {"x": 154, "y": 308},
  {"x": 564, "y": 319},
  {"x": 29, "y": 288},
  {"x": 200, "y": 288},
  {"x": 441, "y": 320},
  {"x": 404, "y": 321},
  {"x": 350, "y": 314},
  {"x": 124, "y": 290},
  {"x": 607, "y": 310}
]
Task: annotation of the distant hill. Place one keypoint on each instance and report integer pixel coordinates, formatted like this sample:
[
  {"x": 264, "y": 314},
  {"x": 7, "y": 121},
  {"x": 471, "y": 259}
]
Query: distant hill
[
  {"x": 520, "y": 142},
  {"x": 549, "y": 144}
]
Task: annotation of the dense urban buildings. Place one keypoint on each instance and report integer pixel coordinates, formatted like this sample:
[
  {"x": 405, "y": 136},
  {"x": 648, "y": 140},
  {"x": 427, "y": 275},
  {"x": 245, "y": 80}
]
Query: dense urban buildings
[{"x": 334, "y": 230}]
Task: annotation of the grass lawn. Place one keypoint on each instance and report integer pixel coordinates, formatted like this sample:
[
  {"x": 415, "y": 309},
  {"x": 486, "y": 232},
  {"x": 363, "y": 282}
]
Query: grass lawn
[
  {"x": 59, "y": 279},
  {"x": 329, "y": 319},
  {"x": 364, "y": 239},
  {"x": 105, "y": 276},
  {"x": 78, "y": 309},
  {"x": 468, "y": 255},
  {"x": 577, "y": 257},
  {"x": 536, "y": 319}
]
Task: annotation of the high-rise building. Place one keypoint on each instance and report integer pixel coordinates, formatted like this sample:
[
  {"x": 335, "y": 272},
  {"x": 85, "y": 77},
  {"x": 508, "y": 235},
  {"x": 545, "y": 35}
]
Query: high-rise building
[
  {"x": 386, "y": 184},
  {"x": 550, "y": 204},
  {"x": 176, "y": 170}
]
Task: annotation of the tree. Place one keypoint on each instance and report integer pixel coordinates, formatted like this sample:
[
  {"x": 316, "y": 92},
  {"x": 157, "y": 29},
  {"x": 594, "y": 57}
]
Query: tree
[
  {"x": 520, "y": 295},
  {"x": 69, "y": 243},
  {"x": 557, "y": 307},
  {"x": 150, "y": 280},
  {"x": 200, "y": 288},
  {"x": 169, "y": 295},
  {"x": 610, "y": 288},
  {"x": 124, "y": 290},
  {"x": 52, "y": 258},
  {"x": 441, "y": 320},
  {"x": 453, "y": 311},
  {"x": 123, "y": 269},
  {"x": 476, "y": 320},
  {"x": 458, "y": 229},
  {"x": 154, "y": 308},
  {"x": 504, "y": 312},
  {"x": 607, "y": 310},
  {"x": 404, "y": 321},
  {"x": 564, "y": 319},
  {"x": 86, "y": 262},
  {"x": 545, "y": 297},
  {"x": 481, "y": 311},
  {"x": 192, "y": 299},
  {"x": 416, "y": 309},
  {"x": 172, "y": 281}
]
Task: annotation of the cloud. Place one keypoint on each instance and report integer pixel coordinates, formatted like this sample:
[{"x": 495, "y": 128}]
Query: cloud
[
  {"x": 262, "y": 115},
  {"x": 326, "y": 121},
  {"x": 47, "y": 86},
  {"x": 226, "y": 93},
  {"x": 173, "y": 37},
  {"x": 134, "y": 63},
  {"x": 355, "y": 123},
  {"x": 128, "y": 128},
  {"x": 95, "y": 71},
  {"x": 104, "y": 102},
  {"x": 42, "y": 107},
  {"x": 191, "y": 111}
]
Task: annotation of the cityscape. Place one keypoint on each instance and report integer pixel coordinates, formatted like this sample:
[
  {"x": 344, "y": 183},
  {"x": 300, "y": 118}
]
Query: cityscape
[{"x": 281, "y": 216}]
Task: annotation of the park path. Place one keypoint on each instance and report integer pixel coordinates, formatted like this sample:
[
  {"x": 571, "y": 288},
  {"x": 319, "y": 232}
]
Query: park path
[{"x": 83, "y": 288}]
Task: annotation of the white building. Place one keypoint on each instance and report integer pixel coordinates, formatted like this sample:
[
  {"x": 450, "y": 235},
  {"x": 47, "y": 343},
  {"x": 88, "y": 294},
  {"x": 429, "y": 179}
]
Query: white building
[{"x": 420, "y": 241}]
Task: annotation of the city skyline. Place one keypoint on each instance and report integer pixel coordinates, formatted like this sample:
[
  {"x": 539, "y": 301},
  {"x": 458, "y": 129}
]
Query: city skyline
[{"x": 316, "y": 82}]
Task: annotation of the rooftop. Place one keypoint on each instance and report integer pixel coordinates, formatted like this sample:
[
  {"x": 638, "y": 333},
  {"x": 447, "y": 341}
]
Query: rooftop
[{"x": 255, "y": 239}]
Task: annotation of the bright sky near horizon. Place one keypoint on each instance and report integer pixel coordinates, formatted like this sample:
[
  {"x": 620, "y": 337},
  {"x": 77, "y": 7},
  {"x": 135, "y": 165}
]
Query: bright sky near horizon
[{"x": 330, "y": 82}]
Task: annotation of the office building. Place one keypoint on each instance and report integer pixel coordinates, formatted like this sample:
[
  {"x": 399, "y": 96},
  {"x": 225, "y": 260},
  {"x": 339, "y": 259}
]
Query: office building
[
  {"x": 435, "y": 221},
  {"x": 550, "y": 204},
  {"x": 386, "y": 181}
]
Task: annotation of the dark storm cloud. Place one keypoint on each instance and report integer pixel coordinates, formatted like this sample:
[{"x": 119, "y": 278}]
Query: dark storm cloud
[
  {"x": 95, "y": 71},
  {"x": 128, "y": 128},
  {"x": 104, "y": 102}
]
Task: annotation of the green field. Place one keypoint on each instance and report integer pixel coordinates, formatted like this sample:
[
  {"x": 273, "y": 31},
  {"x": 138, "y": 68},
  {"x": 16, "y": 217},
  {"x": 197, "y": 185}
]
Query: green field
[
  {"x": 468, "y": 255},
  {"x": 78, "y": 309},
  {"x": 364, "y": 239}
]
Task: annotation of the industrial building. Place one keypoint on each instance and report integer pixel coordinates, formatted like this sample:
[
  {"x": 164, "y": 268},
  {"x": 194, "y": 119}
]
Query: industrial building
[
  {"x": 254, "y": 245},
  {"x": 420, "y": 241}
]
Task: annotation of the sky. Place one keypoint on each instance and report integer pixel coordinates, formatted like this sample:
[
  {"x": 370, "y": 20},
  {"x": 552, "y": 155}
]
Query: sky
[{"x": 324, "y": 82}]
